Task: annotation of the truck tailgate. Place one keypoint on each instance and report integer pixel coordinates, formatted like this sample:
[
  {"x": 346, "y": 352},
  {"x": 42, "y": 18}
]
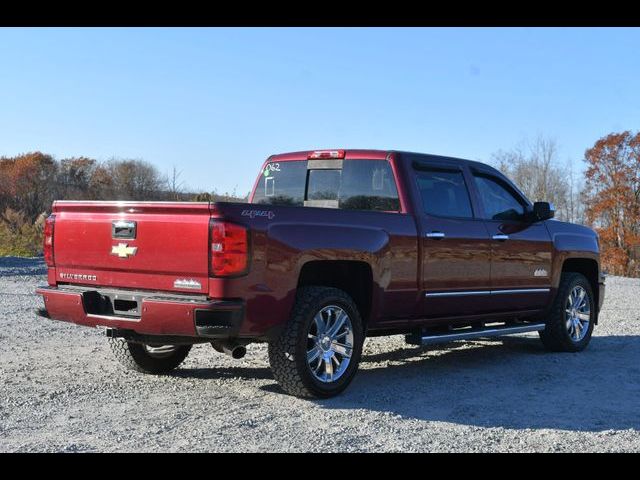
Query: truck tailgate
[{"x": 140, "y": 245}]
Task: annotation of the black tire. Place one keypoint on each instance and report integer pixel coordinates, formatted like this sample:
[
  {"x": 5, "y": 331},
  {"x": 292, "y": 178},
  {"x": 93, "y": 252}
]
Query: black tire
[
  {"x": 288, "y": 353},
  {"x": 555, "y": 336},
  {"x": 134, "y": 356}
]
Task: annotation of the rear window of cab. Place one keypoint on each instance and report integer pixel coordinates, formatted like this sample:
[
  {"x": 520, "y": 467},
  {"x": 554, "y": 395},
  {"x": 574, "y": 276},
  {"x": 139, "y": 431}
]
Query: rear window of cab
[{"x": 344, "y": 184}]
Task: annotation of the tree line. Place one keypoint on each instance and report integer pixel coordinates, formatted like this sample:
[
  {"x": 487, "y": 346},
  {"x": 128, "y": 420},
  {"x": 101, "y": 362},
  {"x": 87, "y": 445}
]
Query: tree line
[
  {"x": 605, "y": 196},
  {"x": 29, "y": 184}
]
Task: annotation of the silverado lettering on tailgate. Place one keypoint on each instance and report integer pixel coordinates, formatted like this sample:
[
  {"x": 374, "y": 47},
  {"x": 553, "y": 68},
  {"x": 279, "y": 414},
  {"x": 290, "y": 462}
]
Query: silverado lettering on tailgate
[{"x": 78, "y": 276}]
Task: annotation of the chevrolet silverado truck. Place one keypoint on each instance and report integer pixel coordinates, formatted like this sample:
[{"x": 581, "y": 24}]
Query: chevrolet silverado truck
[{"x": 332, "y": 246}]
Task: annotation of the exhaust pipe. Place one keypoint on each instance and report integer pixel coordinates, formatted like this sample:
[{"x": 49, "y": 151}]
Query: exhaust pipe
[{"x": 233, "y": 349}]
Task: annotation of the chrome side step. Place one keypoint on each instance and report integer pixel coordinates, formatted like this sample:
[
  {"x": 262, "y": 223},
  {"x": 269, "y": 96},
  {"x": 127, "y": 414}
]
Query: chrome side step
[{"x": 469, "y": 333}]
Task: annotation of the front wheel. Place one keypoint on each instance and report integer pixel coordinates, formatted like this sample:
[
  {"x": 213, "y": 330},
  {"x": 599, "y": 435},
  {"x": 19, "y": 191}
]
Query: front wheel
[
  {"x": 318, "y": 352},
  {"x": 147, "y": 358},
  {"x": 572, "y": 316}
]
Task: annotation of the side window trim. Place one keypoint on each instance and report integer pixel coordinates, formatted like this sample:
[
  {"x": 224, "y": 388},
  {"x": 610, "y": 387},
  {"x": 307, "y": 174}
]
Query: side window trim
[
  {"x": 394, "y": 177},
  {"x": 419, "y": 166},
  {"x": 476, "y": 203},
  {"x": 437, "y": 167}
]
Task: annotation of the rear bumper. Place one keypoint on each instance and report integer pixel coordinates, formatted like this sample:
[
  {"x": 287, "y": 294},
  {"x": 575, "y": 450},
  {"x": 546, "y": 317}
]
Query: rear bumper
[{"x": 158, "y": 314}]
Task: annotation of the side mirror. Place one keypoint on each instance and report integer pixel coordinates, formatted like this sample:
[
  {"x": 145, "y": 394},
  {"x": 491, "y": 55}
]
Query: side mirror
[{"x": 542, "y": 211}]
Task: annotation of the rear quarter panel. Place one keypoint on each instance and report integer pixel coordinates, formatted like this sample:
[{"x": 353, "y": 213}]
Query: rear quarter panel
[{"x": 284, "y": 239}]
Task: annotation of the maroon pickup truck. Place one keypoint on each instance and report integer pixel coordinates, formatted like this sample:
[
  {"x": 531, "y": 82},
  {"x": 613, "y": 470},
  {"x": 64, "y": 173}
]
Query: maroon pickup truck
[{"x": 333, "y": 246}]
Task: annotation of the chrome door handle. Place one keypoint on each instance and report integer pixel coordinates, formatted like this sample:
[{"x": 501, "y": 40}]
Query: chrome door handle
[
  {"x": 501, "y": 237},
  {"x": 435, "y": 235}
]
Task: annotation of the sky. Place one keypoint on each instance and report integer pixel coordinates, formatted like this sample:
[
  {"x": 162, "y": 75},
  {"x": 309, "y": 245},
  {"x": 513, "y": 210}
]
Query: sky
[{"x": 215, "y": 102}]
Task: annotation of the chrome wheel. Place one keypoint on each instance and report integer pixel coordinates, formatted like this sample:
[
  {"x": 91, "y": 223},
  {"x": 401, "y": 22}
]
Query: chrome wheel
[
  {"x": 577, "y": 313},
  {"x": 160, "y": 351},
  {"x": 329, "y": 344}
]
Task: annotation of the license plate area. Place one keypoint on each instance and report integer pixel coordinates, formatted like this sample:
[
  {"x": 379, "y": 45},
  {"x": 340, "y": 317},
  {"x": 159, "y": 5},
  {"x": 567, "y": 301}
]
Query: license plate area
[
  {"x": 117, "y": 304},
  {"x": 125, "y": 307}
]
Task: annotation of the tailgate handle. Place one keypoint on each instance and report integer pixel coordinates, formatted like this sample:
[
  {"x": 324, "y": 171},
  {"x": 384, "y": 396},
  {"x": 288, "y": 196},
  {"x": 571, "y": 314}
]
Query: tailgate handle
[{"x": 123, "y": 229}]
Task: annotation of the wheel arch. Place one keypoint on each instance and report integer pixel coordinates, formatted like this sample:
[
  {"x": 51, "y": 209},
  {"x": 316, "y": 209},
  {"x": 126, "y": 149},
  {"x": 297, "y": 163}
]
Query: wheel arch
[
  {"x": 351, "y": 276},
  {"x": 589, "y": 268}
]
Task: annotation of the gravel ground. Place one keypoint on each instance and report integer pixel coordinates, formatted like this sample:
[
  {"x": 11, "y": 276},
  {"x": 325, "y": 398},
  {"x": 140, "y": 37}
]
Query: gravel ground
[{"x": 61, "y": 390}]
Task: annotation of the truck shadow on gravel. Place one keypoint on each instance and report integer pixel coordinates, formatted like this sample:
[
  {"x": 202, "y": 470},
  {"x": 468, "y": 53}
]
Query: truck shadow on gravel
[
  {"x": 510, "y": 383},
  {"x": 223, "y": 372}
]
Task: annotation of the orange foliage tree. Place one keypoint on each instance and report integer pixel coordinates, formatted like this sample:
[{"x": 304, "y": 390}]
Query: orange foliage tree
[
  {"x": 612, "y": 198},
  {"x": 29, "y": 181}
]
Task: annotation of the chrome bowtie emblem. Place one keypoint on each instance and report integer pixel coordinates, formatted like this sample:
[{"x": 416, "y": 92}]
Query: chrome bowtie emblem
[{"x": 122, "y": 250}]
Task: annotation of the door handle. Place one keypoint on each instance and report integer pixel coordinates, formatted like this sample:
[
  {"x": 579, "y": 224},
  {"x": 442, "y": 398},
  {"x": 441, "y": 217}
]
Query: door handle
[
  {"x": 501, "y": 236},
  {"x": 435, "y": 235}
]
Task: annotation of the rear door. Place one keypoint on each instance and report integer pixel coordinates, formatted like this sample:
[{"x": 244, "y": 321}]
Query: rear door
[
  {"x": 520, "y": 249},
  {"x": 455, "y": 243}
]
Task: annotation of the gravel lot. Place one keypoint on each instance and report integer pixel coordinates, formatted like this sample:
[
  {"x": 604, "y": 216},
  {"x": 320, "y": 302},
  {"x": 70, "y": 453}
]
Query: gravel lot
[{"x": 61, "y": 390}]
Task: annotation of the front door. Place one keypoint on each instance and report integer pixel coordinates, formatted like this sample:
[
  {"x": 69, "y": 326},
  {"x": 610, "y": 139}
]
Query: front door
[
  {"x": 455, "y": 246},
  {"x": 520, "y": 249}
]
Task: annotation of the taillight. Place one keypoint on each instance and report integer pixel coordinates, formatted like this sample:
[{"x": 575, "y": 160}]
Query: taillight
[
  {"x": 326, "y": 154},
  {"x": 48, "y": 240},
  {"x": 229, "y": 249}
]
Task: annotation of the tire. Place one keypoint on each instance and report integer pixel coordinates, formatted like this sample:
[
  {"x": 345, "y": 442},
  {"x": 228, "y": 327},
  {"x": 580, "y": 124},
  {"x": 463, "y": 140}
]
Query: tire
[
  {"x": 141, "y": 357},
  {"x": 559, "y": 336},
  {"x": 288, "y": 354}
]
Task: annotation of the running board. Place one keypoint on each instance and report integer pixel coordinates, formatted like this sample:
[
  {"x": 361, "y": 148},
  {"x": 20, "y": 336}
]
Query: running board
[{"x": 467, "y": 334}]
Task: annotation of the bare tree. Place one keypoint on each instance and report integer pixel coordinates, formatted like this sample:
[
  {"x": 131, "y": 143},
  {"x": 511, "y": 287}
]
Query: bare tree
[
  {"x": 175, "y": 186},
  {"x": 575, "y": 208},
  {"x": 535, "y": 168}
]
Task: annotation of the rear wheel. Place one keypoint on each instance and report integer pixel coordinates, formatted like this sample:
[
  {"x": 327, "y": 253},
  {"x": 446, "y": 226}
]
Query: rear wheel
[
  {"x": 148, "y": 358},
  {"x": 571, "y": 320},
  {"x": 318, "y": 352}
]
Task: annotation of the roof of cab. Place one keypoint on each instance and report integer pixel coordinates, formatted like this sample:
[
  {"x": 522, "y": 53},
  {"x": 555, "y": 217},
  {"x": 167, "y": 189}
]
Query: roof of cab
[{"x": 372, "y": 154}]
